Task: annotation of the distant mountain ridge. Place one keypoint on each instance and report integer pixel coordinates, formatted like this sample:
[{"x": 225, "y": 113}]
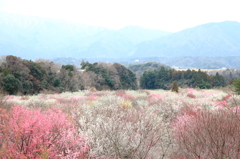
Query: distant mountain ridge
[
  {"x": 211, "y": 39},
  {"x": 35, "y": 37}
]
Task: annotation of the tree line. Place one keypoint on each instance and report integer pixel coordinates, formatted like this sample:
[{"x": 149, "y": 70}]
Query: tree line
[
  {"x": 163, "y": 79},
  {"x": 19, "y": 76}
]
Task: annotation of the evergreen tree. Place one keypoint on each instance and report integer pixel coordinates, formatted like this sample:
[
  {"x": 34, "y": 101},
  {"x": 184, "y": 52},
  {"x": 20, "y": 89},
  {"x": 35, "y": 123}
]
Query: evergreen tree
[
  {"x": 236, "y": 84},
  {"x": 11, "y": 84},
  {"x": 148, "y": 80},
  {"x": 175, "y": 87},
  {"x": 219, "y": 80}
]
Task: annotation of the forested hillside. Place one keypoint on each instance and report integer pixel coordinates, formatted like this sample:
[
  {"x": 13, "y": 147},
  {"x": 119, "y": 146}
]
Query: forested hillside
[
  {"x": 18, "y": 76},
  {"x": 139, "y": 69},
  {"x": 164, "y": 78}
]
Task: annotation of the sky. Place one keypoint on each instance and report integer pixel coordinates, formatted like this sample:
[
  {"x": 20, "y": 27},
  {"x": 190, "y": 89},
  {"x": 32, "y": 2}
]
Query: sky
[{"x": 167, "y": 15}]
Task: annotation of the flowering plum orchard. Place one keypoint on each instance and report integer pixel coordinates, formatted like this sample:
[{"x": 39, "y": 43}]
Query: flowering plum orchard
[{"x": 143, "y": 124}]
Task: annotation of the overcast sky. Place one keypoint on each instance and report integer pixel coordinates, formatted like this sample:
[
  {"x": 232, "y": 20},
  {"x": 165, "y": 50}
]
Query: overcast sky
[{"x": 168, "y": 15}]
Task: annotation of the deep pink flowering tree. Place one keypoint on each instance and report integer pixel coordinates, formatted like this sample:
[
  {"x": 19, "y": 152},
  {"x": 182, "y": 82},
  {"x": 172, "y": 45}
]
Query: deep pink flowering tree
[
  {"x": 154, "y": 98},
  {"x": 125, "y": 96},
  {"x": 26, "y": 133},
  {"x": 190, "y": 95}
]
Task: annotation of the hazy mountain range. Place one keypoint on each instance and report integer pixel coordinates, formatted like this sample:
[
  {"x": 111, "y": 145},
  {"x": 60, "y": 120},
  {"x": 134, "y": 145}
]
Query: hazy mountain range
[
  {"x": 34, "y": 37},
  {"x": 211, "y": 39}
]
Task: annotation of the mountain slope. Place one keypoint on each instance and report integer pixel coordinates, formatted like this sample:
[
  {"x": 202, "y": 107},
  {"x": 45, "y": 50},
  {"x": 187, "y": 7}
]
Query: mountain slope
[
  {"x": 42, "y": 37},
  {"x": 35, "y": 37},
  {"x": 212, "y": 39},
  {"x": 137, "y": 34}
]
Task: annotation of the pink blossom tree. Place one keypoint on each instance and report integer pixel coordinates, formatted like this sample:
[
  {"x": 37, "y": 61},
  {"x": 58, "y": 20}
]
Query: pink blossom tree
[
  {"x": 26, "y": 133},
  {"x": 208, "y": 134}
]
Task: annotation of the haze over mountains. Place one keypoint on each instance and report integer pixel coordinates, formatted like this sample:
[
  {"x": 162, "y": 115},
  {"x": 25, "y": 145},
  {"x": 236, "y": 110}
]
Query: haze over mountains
[
  {"x": 211, "y": 39},
  {"x": 34, "y": 37}
]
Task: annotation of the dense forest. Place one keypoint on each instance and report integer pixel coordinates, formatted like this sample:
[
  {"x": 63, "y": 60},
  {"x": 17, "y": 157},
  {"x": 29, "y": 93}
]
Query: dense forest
[
  {"x": 18, "y": 76},
  {"x": 109, "y": 76},
  {"x": 139, "y": 69},
  {"x": 163, "y": 79}
]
